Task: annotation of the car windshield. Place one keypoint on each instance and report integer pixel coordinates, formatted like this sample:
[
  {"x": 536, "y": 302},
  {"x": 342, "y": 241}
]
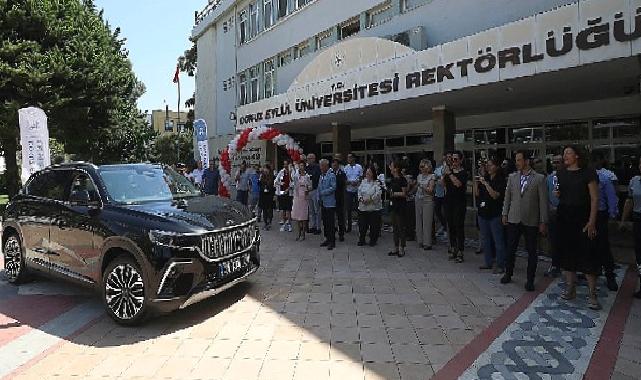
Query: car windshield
[{"x": 131, "y": 184}]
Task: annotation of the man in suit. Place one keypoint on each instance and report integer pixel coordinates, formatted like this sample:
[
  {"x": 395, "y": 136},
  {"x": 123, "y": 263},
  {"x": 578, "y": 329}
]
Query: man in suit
[
  {"x": 525, "y": 212},
  {"x": 327, "y": 196}
]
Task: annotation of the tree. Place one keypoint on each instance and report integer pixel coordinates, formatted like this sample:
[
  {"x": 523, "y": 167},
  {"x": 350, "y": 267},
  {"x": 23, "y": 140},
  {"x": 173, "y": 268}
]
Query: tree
[
  {"x": 173, "y": 148},
  {"x": 63, "y": 57},
  {"x": 188, "y": 63}
]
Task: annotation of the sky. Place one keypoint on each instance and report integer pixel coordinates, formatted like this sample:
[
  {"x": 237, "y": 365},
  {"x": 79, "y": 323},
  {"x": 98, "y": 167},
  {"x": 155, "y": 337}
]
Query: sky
[{"x": 157, "y": 33}]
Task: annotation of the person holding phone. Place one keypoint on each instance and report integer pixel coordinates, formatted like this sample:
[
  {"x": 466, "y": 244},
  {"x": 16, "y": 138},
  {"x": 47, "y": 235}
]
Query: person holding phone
[
  {"x": 490, "y": 190},
  {"x": 578, "y": 193},
  {"x": 455, "y": 182},
  {"x": 424, "y": 204}
]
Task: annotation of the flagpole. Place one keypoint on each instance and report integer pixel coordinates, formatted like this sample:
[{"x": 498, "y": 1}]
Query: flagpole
[{"x": 178, "y": 101}]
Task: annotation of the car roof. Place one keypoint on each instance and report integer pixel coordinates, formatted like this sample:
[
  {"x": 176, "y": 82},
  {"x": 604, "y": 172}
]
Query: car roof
[
  {"x": 72, "y": 165},
  {"x": 86, "y": 165}
]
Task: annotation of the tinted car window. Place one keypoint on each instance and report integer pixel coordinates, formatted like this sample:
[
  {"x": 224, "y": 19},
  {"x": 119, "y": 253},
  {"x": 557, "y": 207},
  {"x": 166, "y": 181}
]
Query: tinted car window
[
  {"x": 131, "y": 184},
  {"x": 52, "y": 184},
  {"x": 82, "y": 182}
]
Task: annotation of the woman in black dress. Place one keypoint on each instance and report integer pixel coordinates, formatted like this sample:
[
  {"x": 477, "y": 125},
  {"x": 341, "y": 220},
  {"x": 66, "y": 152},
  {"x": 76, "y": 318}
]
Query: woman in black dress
[
  {"x": 398, "y": 209},
  {"x": 266, "y": 199},
  {"x": 578, "y": 204}
]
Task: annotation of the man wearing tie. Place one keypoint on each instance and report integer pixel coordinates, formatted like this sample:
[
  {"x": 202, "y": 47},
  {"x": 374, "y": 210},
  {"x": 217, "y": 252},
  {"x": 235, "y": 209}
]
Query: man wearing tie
[{"x": 525, "y": 212}]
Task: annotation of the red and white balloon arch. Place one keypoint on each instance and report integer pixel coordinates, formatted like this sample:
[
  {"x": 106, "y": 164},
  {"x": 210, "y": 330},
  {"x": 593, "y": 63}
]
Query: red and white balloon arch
[{"x": 241, "y": 140}]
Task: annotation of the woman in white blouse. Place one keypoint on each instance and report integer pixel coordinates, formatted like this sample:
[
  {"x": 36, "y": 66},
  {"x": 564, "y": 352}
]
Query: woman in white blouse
[
  {"x": 425, "y": 204},
  {"x": 369, "y": 208}
]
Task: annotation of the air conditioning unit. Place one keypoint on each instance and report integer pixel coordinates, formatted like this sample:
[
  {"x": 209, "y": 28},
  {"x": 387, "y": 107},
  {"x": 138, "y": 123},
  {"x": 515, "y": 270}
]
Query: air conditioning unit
[
  {"x": 402, "y": 38},
  {"x": 414, "y": 38}
]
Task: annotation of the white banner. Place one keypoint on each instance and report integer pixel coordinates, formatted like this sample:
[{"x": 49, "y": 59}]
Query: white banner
[
  {"x": 202, "y": 143},
  {"x": 34, "y": 138}
]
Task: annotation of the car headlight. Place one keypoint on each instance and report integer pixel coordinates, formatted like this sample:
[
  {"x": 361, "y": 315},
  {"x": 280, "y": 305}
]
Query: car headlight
[{"x": 166, "y": 238}]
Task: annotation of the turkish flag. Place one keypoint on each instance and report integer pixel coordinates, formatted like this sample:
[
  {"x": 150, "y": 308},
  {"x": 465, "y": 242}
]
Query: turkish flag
[{"x": 176, "y": 78}]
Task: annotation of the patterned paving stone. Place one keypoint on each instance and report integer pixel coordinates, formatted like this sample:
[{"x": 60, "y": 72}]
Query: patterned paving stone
[{"x": 552, "y": 338}]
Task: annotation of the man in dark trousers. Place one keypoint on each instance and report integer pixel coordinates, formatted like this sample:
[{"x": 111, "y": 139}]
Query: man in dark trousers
[
  {"x": 341, "y": 185},
  {"x": 608, "y": 210},
  {"x": 327, "y": 197},
  {"x": 525, "y": 212},
  {"x": 354, "y": 174}
]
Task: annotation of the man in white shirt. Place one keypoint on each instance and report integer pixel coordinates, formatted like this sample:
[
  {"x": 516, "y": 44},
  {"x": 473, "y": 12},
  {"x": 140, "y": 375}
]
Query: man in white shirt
[
  {"x": 354, "y": 173},
  {"x": 196, "y": 175}
]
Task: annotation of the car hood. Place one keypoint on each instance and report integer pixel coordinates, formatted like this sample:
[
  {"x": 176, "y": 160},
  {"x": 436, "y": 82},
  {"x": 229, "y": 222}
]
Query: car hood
[{"x": 196, "y": 214}]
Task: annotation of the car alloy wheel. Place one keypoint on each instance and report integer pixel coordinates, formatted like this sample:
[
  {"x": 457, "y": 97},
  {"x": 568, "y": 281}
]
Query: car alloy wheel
[
  {"x": 125, "y": 291},
  {"x": 13, "y": 264}
]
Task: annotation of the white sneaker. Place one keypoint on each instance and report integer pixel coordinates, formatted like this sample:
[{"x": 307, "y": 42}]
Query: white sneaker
[
  {"x": 283, "y": 228},
  {"x": 289, "y": 227}
]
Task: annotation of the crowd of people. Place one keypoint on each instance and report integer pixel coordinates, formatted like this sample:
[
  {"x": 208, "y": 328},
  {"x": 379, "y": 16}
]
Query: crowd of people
[{"x": 571, "y": 206}]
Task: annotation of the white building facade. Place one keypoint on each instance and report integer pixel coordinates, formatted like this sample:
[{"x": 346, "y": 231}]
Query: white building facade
[{"x": 417, "y": 77}]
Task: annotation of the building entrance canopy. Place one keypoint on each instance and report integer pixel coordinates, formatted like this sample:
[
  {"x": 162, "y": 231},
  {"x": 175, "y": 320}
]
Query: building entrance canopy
[{"x": 365, "y": 72}]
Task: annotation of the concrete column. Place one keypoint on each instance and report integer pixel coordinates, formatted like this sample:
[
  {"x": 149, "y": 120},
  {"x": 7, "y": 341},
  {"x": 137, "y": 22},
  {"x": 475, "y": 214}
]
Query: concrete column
[
  {"x": 342, "y": 138},
  {"x": 444, "y": 128}
]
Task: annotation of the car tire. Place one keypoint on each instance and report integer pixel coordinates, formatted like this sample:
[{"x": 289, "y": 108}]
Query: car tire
[
  {"x": 124, "y": 291},
  {"x": 14, "y": 263}
]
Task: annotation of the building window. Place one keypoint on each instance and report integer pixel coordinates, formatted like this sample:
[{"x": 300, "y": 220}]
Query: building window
[
  {"x": 243, "y": 26},
  {"x": 283, "y": 10},
  {"x": 379, "y": 14},
  {"x": 284, "y": 58},
  {"x": 358, "y": 145},
  {"x": 408, "y": 5},
  {"x": 268, "y": 70},
  {"x": 268, "y": 13},
  {"x": 526, "y": 135},
  {"x": 301, "y": 50},
  {"x": 489, "y": 136},
  {"x": 301, "y": 3},
  {"x": 253, "y": 78},
  {"x": 242, "y": 90},
  {"x": 253, "y": 20},
  {"x": 323, "y": 39},
  {"x": 567, "y": 132},
  {"x": 169, "y": 126},
  {"x": 419, "y": 139},
  {"x": 349, "y": 28}
]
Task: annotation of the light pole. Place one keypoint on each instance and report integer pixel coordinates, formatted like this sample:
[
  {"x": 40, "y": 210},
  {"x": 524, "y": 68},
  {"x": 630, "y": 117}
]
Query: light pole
[{"x": 177, "y": 152}]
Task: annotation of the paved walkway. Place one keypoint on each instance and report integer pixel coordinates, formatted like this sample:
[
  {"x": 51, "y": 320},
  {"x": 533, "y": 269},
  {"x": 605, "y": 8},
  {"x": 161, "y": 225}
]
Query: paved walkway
[{"x": 352, "y": 313}]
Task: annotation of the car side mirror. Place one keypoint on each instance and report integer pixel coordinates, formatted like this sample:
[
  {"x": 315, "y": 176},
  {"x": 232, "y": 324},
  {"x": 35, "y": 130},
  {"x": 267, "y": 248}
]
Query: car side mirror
[{"x": 79, "y": 198}]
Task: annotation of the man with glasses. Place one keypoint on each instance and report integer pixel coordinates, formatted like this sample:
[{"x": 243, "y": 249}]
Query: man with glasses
[{"x": 525, "y": 212}]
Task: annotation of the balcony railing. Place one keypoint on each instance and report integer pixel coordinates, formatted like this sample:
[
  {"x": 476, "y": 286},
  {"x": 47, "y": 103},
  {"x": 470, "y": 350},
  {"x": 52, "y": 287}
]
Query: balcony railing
[{"x": 211, "y": 6}]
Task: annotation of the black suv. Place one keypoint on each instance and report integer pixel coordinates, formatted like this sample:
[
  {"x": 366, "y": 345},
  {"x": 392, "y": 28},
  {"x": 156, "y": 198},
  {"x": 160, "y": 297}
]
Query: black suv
[{"x": 141, "y": 234}]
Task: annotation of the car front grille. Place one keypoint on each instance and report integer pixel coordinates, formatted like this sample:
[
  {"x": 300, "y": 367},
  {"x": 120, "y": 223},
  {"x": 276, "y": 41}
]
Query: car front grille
[{"x": 223, "y": 243}]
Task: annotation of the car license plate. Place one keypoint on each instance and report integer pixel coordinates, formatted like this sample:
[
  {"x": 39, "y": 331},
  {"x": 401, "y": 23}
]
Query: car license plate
[{"x": 233, "y": 265}]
